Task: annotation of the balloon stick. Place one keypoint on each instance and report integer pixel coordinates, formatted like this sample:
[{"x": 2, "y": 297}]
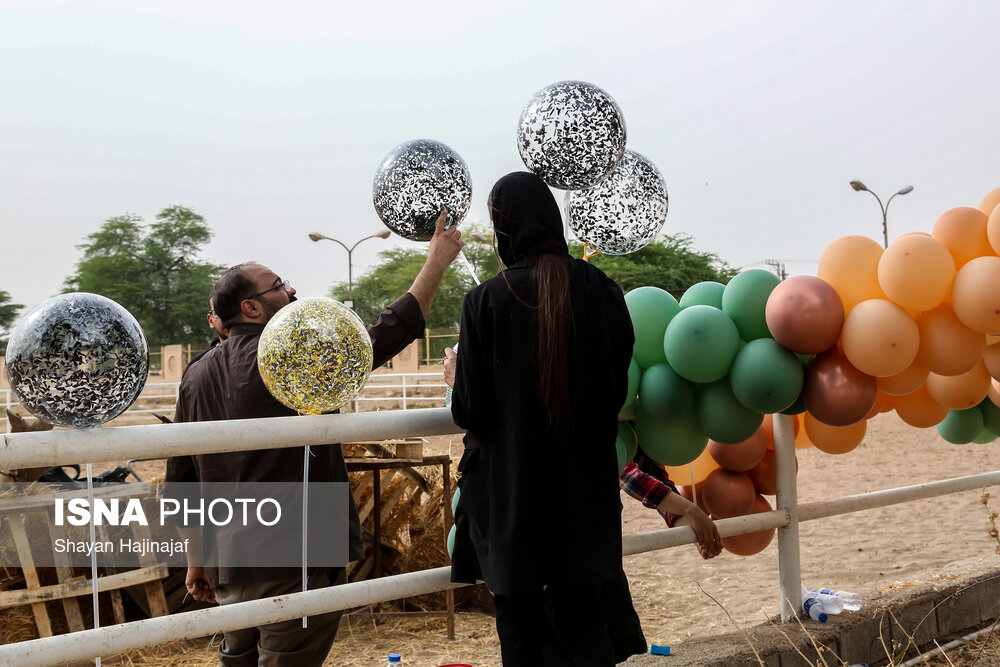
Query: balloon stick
[{"x": 93, "y": 552}]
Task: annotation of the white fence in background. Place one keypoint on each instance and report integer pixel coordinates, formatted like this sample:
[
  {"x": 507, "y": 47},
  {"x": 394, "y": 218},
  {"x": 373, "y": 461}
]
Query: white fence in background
[{"x": 23, "y": 450}]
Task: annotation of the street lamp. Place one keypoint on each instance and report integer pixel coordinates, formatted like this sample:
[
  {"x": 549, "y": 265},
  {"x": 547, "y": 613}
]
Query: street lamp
[
  {"x": 859, "y": 186},
  {"x": 314, "y": 236}
]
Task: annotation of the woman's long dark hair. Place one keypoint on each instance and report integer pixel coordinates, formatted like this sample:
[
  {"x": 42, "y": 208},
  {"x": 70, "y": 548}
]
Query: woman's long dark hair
[{"x": 527, "y": 222}]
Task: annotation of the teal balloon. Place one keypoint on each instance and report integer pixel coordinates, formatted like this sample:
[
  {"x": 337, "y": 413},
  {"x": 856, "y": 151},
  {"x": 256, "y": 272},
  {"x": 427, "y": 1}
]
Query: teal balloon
[
  {"x": 765, "y": 377},
  {"x": 701, "y": 343},
  {"x": 665, "y": 394},
  {"x": 672, "y": 442},
  {"x": 633, "y": 385},
  {"x": 454, "y": 500},
  {"x": 984, "y": 437},
  {"x": 991, "y": 416},
  {"x": 723, "y": 418},
  {"x": 450, "y": 542},
  {"x": 707, "y": 293},
  {"x": 961, "y": 426},
  {"x": 744, "y": 301},
  {"x": 796, "y": 408},
  {"x": 625, "y": 445},
  {"x": 651, "y": 310}
]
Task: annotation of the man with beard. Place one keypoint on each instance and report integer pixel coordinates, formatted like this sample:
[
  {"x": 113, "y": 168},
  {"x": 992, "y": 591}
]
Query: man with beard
[{"x": 226, "y": 384}]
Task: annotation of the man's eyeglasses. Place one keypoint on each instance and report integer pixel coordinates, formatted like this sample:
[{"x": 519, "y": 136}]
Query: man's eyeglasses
[{"x": 284, "y": 284}]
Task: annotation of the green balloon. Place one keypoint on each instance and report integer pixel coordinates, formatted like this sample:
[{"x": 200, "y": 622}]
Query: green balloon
[
  {"x": 991, "y": 416},
  {"x": 707, "y": 293},
  {"x": 450, "y": 542},
  {"x": 672, "y": 442},
  {"x": 765, "y": 377},
  {"x": 984, "y": 437},
  {"x": 961, "y": 426},
  {"x": 701, "y": 343},
  {"x": 633, "y": 385},
  {"x": 625, "y": 445},
  {"x": 665, "y": 394},
  {"x": 454, "y": 500},
  {"x": 796, "y": 408},
  {"x": 744, "y": 301},
  {"x": 651, "y": 310},
  {"x": 723, "y": 418}
]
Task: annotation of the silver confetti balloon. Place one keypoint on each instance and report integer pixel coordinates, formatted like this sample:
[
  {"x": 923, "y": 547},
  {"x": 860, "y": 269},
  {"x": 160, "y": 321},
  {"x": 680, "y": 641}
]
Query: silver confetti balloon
[
  {"x": 571, "y": 134},
  {"x": 622, "y": 213},
  {"x": 78, "y": 359},
  {"x": 415, "y": 181}
]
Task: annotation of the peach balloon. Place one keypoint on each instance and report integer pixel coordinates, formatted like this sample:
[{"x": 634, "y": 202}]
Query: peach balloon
[
  {"x": 802, "y": 440},
  {"x": 991, "y": 357},
  {"x": 905, "y": 382},
  {"x": 960, "y": 392},
  {"x": 993, "y": 230},
  {"x": 850, "y": 265},
  {"x": 835, "y": 439},
  {"x": 804, "y": 314},
  {"x": 728, "y": 493},
  {"x": 994, "y": 393},
  {"x": 975, "y": 295},
  {"x": 743, "y": 455},
  {"x": 947, "y": 347},
  {"x": 699, "y": 469},
  {"x": 963, "y": 231},
  {"x": 916, "y": 272},
  {"x": 990, "y": 201},
  {"x": 767, "y": 427},
  {"x": 749, "y": 544},
  {"x": 879, "y": 338},
  {"x": 919, "y": 409}
]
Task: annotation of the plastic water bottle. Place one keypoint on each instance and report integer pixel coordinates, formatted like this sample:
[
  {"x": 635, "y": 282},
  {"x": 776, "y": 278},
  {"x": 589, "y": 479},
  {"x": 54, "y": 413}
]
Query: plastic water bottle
[
  {"x": 852, "y": 601},
  {"x": 812, "y": 606},
  {"x": 394, "y": 659},
  {"x": 831, "y": 603}
]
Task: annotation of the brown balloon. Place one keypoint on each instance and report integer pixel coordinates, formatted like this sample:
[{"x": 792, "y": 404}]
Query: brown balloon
[
  {"x": 728, "y": 493},
  {"x": 751, "y": 543},
  {"x": 804, "y": 314},
  {"x": 699, "y": 488},
  {"x": 835, "y": 392},
  {"x": 743, "y": 455},
  {"x": 764, "y": 475}
]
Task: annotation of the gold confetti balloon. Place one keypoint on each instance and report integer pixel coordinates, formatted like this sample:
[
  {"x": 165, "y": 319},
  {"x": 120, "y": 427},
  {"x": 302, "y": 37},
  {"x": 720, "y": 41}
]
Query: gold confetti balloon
[{"x": 315, "y": 355}]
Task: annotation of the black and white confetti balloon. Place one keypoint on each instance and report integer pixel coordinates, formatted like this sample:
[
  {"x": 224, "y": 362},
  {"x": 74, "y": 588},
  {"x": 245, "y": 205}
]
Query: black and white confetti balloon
[
  {"x": 625, "y": 211},
  {"x": 77, "y": 359},
  {"x": 415, "y": 181},
  {"x": 571, "y": 134}
]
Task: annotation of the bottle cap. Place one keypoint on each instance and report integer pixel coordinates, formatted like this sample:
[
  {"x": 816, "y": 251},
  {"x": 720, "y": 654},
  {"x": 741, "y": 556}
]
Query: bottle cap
[{"x": 394, "y": 657}]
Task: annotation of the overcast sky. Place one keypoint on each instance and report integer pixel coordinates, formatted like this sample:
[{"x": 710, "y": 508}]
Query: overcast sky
[{"x": 269, "y": 119}]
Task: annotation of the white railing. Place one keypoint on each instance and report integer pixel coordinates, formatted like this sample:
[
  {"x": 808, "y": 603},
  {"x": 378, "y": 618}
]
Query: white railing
[{"x": 20, "y": 450}]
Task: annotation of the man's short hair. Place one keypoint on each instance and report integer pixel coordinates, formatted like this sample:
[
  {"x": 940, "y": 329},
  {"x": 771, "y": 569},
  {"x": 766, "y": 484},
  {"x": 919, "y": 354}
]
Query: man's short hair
[{"x": 230, "y": 291}]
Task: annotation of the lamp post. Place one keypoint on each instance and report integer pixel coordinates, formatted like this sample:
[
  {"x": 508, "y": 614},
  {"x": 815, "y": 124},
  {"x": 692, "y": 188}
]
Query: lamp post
[
  {"x": 384, "y": 234},
  {"x": 859, "y": 187}
]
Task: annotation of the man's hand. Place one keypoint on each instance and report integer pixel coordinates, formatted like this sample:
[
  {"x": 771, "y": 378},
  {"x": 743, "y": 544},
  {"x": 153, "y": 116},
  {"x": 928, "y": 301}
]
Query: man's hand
[
  {"x": 450, "y": 361},
  {"x": 197, "y": 585},
  {"x": 444, "y": 248}
]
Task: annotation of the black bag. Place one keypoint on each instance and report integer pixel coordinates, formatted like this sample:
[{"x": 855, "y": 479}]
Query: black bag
[{"x": 58, "y": 477}]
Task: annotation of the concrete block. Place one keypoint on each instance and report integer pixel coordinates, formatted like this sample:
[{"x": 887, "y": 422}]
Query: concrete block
[
  {"x": 987, "y": 591},
  {"x": 859, "y": 639},
  {"x": 915, "y": 617},
  {"x": 957, "y": 611}
]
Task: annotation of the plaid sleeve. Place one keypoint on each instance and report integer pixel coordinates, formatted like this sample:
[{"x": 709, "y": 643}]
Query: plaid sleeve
[{"x": 649, "y": 489}]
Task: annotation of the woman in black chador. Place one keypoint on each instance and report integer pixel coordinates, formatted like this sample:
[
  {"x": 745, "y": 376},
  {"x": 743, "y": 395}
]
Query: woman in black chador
[{"x": 540, "y": 375}]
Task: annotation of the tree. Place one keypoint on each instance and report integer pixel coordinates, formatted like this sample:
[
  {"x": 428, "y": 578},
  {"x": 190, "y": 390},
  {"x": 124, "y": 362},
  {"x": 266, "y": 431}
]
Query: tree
[
  {"x": 153, "y": 272},
  {"x": 670, "y": 262},
  {"x": 8, "y": 313}
]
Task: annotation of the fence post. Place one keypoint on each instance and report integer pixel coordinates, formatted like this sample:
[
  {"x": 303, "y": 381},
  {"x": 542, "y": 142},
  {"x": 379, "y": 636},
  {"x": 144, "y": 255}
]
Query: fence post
[
  {"x": 427, "y": 347},
  {"x": 789, "y": 570},
  {"x": 404, "y": 391}
]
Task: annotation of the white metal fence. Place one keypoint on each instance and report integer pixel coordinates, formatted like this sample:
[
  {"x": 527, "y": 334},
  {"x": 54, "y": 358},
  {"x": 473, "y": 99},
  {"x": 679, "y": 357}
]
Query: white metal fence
[{"x": 21, "y": 450}]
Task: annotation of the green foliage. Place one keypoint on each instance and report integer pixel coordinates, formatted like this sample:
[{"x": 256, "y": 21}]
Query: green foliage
[
  {"x": 8, "y": 313},
  {"x": 670, "y": 262},
  {"x": 153, "y": 272}
]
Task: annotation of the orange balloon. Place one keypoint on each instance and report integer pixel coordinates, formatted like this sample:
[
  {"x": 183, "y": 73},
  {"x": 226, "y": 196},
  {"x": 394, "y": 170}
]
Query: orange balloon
[
  {"x": 700, "y": 468},
  {"x": 743, "y": 455},
  {"x": 914, "y": 234},
  {"x": 749, "y": 544},
  {"x": 963, "y": 231},
  {"x": 994, "y": 393},
  {"x": 698, "y": 497},
  {"x": 960, "y": 392},
  {"x": 888, "y": 402},
  {"x": 990, "y": 201},
  {"x": 993, "y": 230},
  {"x": 835, "y": 439},
  {"x": 975, "y": 295},
  {"x": 802, "y": 440},
  {"x": 916, "y": 272},
  {"x": 850, "y": 265},
  {"x": 919, "y": 409},
  {"x": 767, "y": 427},
  {"x": 879, "y": 338},
  {"x": 947, "y": 347},
  {"x": 905, "y": 382},
  {"x": 728, "y": 493},
  {"x": 991, "y": 357}
]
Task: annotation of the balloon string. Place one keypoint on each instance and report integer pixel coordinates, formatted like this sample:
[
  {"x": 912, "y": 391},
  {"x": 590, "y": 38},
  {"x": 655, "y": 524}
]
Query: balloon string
[
  {"x": 468, "y": 266},
  {"x": 93, "y": 552},
  {"x": 589, "y": 251},
  {"x": 305, "y": 524},
  {"x": 694, "y": 490}
]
